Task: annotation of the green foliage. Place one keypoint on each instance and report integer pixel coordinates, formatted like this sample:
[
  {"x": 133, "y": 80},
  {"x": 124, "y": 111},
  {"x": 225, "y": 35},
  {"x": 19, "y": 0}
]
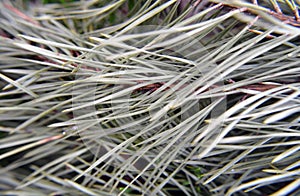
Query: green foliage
[
  {"x": 202, "y": 101},
  {"x": 57, "y": 1}
]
